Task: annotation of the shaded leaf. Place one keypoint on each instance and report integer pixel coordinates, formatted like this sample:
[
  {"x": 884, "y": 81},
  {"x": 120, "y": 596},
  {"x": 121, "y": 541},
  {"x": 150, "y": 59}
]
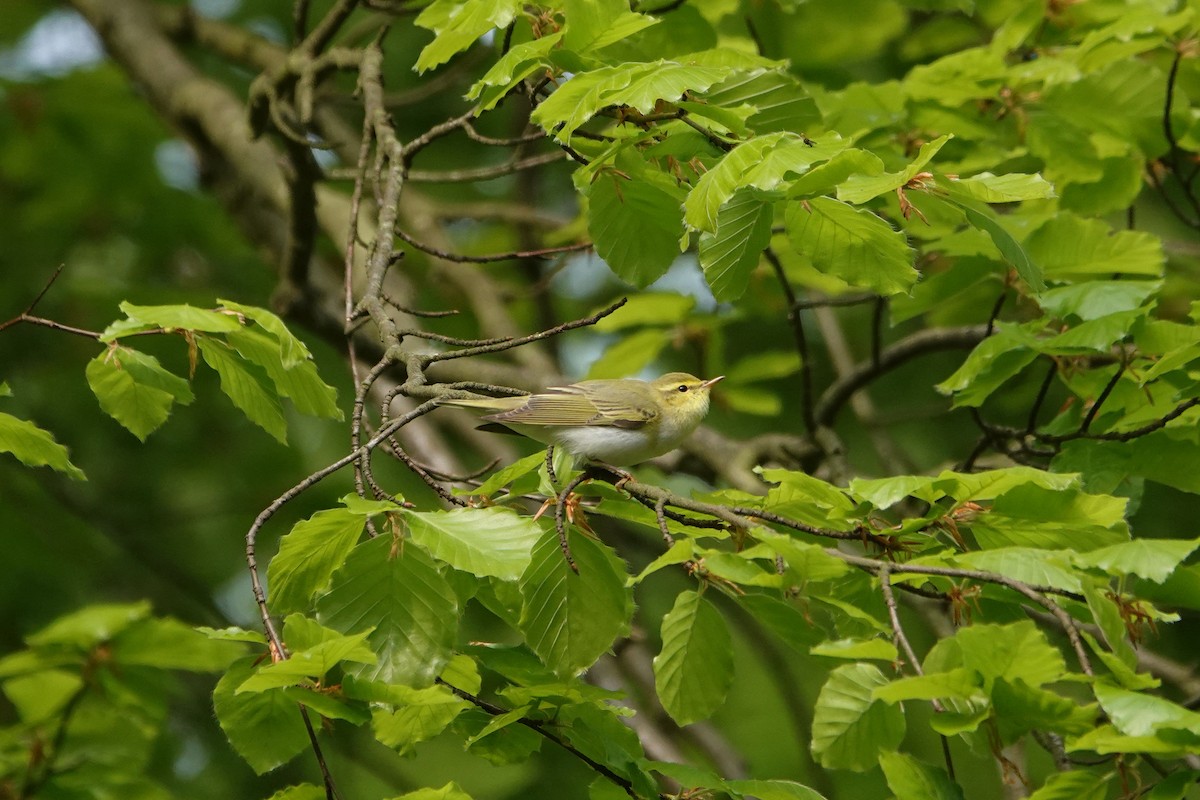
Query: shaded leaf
[
  {"x": 729, "y": 256},
  {"x": 849, "y": 727},
  {"x": 263, "y": 727},
  {"x": 308, "y": 556},
  {"x": 910, "y": 779},
  {"x": 635, "y": 225},
  {"x": 569, "y": 619},
  {"x": 411, "y": 611},
  {"x": 694, "y": 670},
  {"x": 244, "y": 387}
]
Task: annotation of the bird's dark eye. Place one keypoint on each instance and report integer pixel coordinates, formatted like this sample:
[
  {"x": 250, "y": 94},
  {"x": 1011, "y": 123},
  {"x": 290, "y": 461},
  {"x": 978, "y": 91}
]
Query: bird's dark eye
[{"x": 683, "y": 387}]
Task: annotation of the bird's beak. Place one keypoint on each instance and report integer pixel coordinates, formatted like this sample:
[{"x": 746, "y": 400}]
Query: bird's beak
[{"x": 711, "y": 382}]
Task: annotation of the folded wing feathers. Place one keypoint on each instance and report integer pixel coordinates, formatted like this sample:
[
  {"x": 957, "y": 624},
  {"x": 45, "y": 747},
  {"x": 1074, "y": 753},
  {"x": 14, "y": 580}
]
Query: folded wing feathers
[{"x": 567, "y": 406}]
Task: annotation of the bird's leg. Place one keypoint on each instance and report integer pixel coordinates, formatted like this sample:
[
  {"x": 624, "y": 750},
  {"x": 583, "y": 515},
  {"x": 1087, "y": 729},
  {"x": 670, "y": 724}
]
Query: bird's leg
[
  {"x": 599, "y": 468},
  {"x": 560, "y": 513}
]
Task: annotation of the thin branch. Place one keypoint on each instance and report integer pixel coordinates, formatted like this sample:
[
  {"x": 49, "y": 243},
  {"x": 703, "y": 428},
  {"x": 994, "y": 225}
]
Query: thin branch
[
  {"x": 1043, "y": 390},
  {"x": 541, "y": 729},
  {"x": 832, "y": 302},
  {"x": 27, "y": 316},
  {"x": 260, "y": 596},
  {"x": 508, "y": 344},
  {"x": 1124, "y": 436},
  {"x": 1104, "y": 394},
  {"x": 797, "y": 326},
  {"x": 493, "y": 257},
  {"x": 485, "y": 173},
  {"x": 331, "y": 792},
  {"x": 889, "y": 599},
  {"x": 926, "y": 341}
]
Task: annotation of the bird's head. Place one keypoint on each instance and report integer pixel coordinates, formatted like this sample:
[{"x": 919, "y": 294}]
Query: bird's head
[{"x": 684, "y": 397}]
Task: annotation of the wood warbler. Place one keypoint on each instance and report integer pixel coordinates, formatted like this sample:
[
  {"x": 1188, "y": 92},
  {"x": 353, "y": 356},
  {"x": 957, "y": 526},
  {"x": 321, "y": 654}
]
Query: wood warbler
[{"x": 616, "y": 422}]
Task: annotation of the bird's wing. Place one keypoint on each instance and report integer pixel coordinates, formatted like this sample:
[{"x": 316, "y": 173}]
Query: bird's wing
[{"x": 569, "y": 406}]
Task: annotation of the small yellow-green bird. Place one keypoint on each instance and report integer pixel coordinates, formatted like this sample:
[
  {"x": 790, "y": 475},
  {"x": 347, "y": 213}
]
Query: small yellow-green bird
[{"x": 617, "y": 422}]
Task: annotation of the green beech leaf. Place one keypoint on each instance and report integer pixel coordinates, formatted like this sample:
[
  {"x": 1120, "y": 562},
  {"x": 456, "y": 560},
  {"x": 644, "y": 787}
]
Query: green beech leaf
[
  {"x": 481, "y": 541},
  {"x": 169, "y": 318},
  {"x": 35, "y": 447},
  {"x": 694, "y": 670},
  {"x": 506, "y": 475},
  {"x": 516, "y": 65},
  {"x": 1069, "y": 246},
  {"x": 1096, "y": 299},
  {"x": 824, "y": 178},
  {"x": 1074, "y": 785},
  {"x": 853, "y": 244},
  {"x": 1034, "y": 516},
  {"x": 90, "y": 625},
  {"x": 859, "y": 189},
  {"x": 910, "y": 779},
  {"x": 1018, "y": 651},
  {"x": 1139, "y": 714},
  {"x": 457, "y": 24},
  {"x": 1027, "y": 564},
  {"x": 244, "y": 386},
  {"x": 655, "y": 309},
  {"x": 787, "y": 622},
  {"x": 450, "y": 791},
  {"x": 635, "y": 225},
  {"x": 636, "y": 85},
  {"x": 167, "y": 643},
  {"x": 1112, "y": 626},
  {"x": 135, "y": 390},
  {"x": 308, "y": 556},
  {"x": 849, "y": 727},
  {"x": 293, "y": 351},
  {"x": 771, "y": 790},
  {"x": 1152, "y": 559},
  {"x": 729, "y": 256},
  {"x": 957, "y": 683},
  {"x": 776, "y": 98},
  {"x": 423, "y": 714},
  {"x": 264, "y": 728},
  {"x": 857, "y": 649},
  {"x": 594, "y": 24},
  {"x": 39, "y": 697},
  {"x": 313, "y": 651},
  {"x": 397, "y": 593},
  {"x": 1009, "y": 188},
  {"x": 298, "y": 382},
  {"x": 761, "y": 163},
  {"x": 993, "y": 362},
  {"x": 630, "y": 354},
  {"x": 983, "y": 218},
  {"x": 1021, "y": 708},
  {"x": 569, "y": 619},
  {"x": 304, "y": 791}
]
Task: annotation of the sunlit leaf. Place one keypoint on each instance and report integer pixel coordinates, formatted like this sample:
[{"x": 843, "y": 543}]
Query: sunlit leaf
[
  {"x": 35, "y": 447},
  {"x": 457, "y": 25},
  {"x": 853, "y": 244},
  {"x": 481, "y": 541}
]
